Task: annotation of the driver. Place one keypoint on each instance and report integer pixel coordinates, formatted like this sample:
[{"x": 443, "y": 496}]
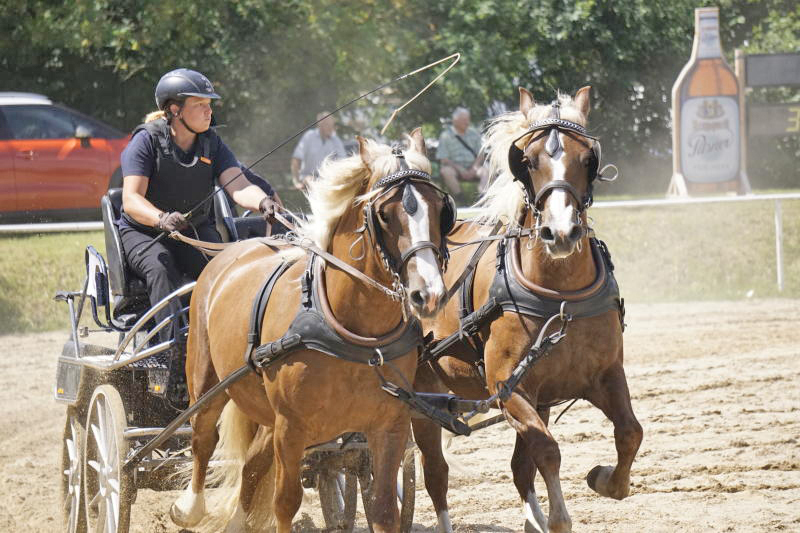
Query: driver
[{"x": 168, "y": 168}]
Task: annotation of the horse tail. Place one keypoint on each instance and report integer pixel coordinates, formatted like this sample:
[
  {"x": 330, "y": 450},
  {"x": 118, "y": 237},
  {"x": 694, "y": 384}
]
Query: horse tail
[{"x": 236, "y": 433}]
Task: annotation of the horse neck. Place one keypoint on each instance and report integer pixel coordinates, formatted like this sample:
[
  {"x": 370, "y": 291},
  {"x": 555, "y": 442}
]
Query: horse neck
[
  {"x": 572, "y": 273},
  {"x": 360, "y": 308}
]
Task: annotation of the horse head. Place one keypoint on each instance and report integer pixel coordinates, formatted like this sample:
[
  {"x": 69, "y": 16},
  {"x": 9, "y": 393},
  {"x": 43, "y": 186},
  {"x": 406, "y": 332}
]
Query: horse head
[
  {"x": 556, "y": 161},
  {"x": 408, "y": 218}
]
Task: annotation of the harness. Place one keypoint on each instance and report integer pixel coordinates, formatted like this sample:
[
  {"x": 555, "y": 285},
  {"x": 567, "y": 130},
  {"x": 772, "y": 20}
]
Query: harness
[
  {"x": 509, "y": 290},
  {"x": 315, "y": 328}
]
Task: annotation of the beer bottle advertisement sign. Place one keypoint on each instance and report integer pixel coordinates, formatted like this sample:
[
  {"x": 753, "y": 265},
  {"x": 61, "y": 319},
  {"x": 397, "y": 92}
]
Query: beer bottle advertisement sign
[
  {"x": 706, "y": 116},
  {"x": 710, "y": 139}
]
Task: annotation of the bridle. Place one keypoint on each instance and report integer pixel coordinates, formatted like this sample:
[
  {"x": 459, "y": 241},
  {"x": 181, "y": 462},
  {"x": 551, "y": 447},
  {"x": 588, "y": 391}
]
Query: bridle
[
  {"x": 372, "y": 228},
  {"x": 551, "y": 127}
]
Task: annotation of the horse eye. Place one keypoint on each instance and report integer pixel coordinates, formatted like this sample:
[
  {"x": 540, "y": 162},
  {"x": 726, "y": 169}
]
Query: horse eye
[
  {"x": 532, "y": 163},
  {"x": 382, "y": 216}
]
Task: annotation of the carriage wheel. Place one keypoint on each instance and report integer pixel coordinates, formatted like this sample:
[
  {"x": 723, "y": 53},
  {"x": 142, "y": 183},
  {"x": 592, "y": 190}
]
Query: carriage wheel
[
  {"x": 109, "y": 489},
  {"x": 72, "y": 501},
  {"x": 338, "y": 495},
  {"x": 406, "y": 488}
]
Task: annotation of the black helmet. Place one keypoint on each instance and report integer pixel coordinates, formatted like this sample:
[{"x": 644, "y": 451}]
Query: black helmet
[{"x": 177, "y": 84}]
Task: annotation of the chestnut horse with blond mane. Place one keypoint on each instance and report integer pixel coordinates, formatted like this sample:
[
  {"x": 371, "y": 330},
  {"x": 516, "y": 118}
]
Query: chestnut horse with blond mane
[
  {"x": 378, "y": 212},
  {"x": 545, "y": 163}
]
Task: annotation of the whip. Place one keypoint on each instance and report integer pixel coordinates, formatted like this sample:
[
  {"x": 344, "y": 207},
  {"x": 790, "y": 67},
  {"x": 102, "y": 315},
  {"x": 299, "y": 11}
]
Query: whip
[{"x": 455, "y": 57}]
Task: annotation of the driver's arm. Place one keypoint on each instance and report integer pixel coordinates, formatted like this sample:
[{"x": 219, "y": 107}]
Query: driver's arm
[
  {"x": 135, "y": 204},
  {"x": 241, "y": 190}
]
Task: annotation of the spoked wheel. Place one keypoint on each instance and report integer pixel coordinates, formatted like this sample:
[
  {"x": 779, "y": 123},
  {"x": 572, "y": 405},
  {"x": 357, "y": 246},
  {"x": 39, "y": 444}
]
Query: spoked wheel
[
  {"x": 109, "y": 489},
  {"x": 72, "y": 501},
  {"x": 338, "y": 495},
  {"x": 406, "y": 488}
]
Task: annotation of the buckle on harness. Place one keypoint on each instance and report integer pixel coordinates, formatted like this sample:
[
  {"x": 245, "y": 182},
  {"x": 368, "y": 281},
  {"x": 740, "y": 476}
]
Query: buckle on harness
[
  {"x": 377, "y": 359},
  {"x": 266, "y": 354}
]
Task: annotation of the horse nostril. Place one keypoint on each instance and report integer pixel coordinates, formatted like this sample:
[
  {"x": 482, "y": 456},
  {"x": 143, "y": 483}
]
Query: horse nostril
[
  {"x": 546, "y": 234},
  {"x": 417, "y": 298},
  {"x": 576, "y": 233}
]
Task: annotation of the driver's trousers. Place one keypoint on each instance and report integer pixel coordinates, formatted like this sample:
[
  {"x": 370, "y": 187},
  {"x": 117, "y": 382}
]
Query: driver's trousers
[{"x": 165, "y": 266}]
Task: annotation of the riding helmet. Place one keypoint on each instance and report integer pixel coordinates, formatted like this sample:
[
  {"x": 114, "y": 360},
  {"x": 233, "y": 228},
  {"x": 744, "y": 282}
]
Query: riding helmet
[{"x": 177, "y": 84}]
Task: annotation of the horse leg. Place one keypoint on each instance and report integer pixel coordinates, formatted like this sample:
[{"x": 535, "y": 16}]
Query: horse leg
[
  {"x": 289, "y": 447},
  {"x": 428, "y": 436},
  {"x": 258, "y": 462},
  {"x": 387, "y": 448},
  {"x": 190, "y": 507},
  {"x": 612, "y": 397},
  {"x": 536, "y": 449}
]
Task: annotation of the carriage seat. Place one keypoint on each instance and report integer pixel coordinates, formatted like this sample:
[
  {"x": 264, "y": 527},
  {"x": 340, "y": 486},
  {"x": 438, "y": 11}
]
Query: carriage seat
[{"x": 128, "y": 289}]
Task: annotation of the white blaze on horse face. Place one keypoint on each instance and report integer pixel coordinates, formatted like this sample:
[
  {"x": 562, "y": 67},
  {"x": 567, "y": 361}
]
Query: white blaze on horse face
[
  {"x": 427, "y": 265},
  {"x": 561, "y": 211}
]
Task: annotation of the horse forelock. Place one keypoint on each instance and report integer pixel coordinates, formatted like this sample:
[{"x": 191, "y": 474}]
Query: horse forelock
[
  {"x": 340, "y": 181},
  {"x": 505, "y": 198}
]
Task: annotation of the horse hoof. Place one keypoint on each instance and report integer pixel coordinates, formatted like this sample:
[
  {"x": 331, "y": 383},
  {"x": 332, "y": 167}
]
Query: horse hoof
[
  {"x": 183, "y": 518},
  {"x": 531, "y": 527},
  {"x": 598, "y": 480}
]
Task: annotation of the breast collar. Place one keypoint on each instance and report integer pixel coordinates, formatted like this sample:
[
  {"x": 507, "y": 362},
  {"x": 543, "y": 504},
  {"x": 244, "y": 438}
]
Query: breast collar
[
  {"x": 514, "y": 293},
  {"x": 315, "y": 328}
]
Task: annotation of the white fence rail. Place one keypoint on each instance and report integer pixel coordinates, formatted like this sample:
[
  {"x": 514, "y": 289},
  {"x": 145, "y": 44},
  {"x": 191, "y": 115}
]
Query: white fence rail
[{"x": 467, "y": 212}]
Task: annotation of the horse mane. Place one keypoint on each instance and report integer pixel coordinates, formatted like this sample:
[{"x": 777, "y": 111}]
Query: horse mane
[
  {"x": 340, "y": 181},
  {"x": 505, "y": 198}
]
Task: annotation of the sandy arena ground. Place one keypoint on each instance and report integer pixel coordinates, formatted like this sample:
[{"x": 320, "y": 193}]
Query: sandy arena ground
[{"x": 715, "y": 385}]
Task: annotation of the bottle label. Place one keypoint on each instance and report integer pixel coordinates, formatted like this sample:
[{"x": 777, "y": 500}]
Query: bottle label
[
  {"x": 708, "y": 30},
  {"x": 710, "y": 139}
]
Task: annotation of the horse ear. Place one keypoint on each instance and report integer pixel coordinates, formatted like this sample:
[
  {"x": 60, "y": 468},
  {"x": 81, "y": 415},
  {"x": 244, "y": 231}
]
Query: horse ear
[
  {"x": 582, "y": 100},
  {"x": 362, "y": 150},
  {"x": 419, "y": 141},
  {"x": 526, "y": 102}
]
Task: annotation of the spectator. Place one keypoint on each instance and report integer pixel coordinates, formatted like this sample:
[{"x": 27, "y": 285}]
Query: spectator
[
  {"x": 459, "y": 154},
  {"x": 314, "y": 146}
]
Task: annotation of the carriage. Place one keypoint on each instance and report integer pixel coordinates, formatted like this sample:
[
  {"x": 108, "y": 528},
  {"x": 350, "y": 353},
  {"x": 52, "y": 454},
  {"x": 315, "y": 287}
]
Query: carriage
[
  {"x": 126, "y": 418},
  {"x": 508, "y": 301}
]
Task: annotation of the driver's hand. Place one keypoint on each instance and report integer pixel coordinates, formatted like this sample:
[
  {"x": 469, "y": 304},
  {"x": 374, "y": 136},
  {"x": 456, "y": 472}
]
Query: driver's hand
[
  {"x": 267, "y": 207},
  {"x": 173, "y": 221}
]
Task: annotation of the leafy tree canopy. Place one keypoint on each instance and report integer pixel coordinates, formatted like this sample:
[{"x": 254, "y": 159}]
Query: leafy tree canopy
[{"x": 279, "y": 63}]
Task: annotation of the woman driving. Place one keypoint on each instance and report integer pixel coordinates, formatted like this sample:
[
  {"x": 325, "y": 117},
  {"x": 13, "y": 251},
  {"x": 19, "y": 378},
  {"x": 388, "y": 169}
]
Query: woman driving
[{"x": 168, "y": 168}]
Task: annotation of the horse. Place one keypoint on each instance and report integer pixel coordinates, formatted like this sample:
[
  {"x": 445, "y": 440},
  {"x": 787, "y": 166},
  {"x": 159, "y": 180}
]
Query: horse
[
  {"x": 545, "y": 163},
  {"x": 376, "y": 213}
]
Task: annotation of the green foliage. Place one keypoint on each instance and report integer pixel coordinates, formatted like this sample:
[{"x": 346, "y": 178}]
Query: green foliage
[
  {"x": 279, "y": 63},
  {"x": 32, "y": 269}
]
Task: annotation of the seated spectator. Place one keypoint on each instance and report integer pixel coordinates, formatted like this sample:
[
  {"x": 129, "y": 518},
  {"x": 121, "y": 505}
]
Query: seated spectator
[
  {"x": 459, "y": 154},
  {"x": 314, "y": 146}
]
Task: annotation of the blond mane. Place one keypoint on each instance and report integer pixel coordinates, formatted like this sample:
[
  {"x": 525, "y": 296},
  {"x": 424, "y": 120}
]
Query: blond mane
[
  {"x": 336, "y": 190},
  {"x": 505, "y": 198}
]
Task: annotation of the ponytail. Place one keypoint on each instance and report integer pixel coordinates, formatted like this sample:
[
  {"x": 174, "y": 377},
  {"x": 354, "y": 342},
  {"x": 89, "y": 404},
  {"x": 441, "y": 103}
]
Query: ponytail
[{"x": 155, "y": 115}]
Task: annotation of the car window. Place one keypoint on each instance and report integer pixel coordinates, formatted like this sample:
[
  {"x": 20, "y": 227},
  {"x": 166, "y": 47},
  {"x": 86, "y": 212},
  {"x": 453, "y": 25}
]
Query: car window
[
  {"x": 38, "y": 122},
  {"x": 95, "y": 127}
]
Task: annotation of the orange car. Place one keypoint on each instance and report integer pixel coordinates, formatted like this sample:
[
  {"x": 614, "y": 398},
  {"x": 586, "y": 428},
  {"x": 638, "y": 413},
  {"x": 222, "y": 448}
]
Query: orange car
[{"x": 54, "y": 161}]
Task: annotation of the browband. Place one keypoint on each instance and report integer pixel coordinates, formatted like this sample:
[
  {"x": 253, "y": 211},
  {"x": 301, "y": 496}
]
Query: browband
[
  {"x": 559, "y": 123},
  {"x": 399, "y": 176}
]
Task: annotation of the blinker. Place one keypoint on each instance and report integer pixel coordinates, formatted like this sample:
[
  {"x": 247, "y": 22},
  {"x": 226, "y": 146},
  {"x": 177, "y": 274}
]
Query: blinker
[{"x": 409, "y": 202}]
